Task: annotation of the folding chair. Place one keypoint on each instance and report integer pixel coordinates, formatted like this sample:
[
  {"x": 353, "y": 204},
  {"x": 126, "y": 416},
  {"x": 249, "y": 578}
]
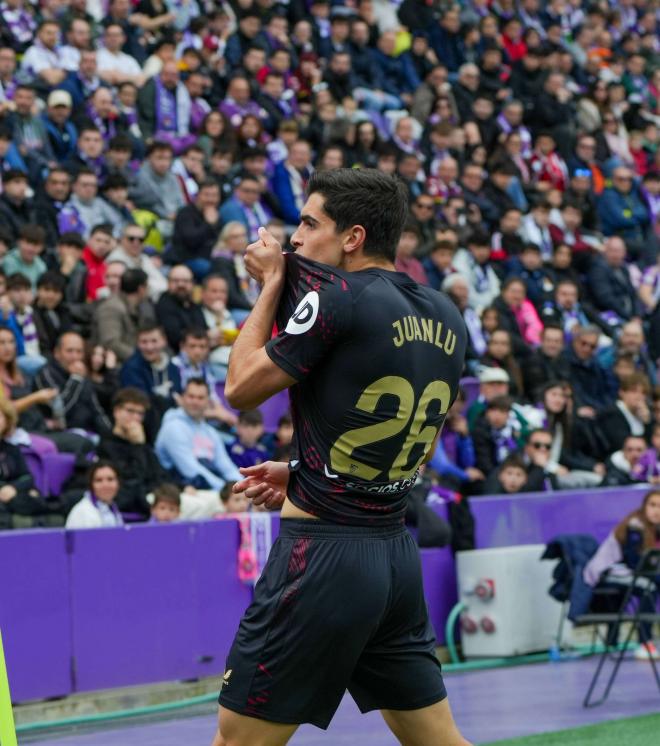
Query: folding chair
[{"x": 641, "y": 586}]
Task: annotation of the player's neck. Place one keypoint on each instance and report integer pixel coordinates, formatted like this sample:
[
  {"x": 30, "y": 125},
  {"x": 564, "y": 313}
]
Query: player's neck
[{"x": 353, "y": 263}]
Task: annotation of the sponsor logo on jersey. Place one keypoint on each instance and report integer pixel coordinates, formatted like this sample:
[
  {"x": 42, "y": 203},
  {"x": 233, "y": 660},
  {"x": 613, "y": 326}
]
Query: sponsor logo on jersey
[{"x": 304, "y": 316}]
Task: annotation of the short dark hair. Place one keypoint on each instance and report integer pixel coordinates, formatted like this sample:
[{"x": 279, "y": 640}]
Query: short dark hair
[
  {"x": 33, "y": 234},
  {"x": 115, "y": 181},
  {"x": 130, "y": 395},
  {"x": 102, "y": 228},
  {"x": 121, "y": 142},
  {"x": 479, "y": 238},
  {"x": 84, "y": 171},
  {"x": 502, "y": 403},
  {"x": 13, "y": 174},
  {"x": 146, "y": 327},
  {"x": 132, "y": 280},
  {"x": 159, "y": 145},
  {"x": 71, "y": 238},
  {"x": 193, "y": 333},
  {"x": 512, "y": 461},
  {"x": 18, "y": 281},
  {"x": 250, "y": 417},
  {"x": 196, "y": 382},
  {"x": 102, "y": 464},
  {"x": 167, "y": 493},
  {"x": 364, "y": 197},
  {"x": 52, "y": 280}
]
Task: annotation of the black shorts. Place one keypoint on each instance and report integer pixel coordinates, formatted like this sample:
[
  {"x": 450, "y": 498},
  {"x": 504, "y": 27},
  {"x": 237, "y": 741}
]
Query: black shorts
[{"x": 337, "y": 608}]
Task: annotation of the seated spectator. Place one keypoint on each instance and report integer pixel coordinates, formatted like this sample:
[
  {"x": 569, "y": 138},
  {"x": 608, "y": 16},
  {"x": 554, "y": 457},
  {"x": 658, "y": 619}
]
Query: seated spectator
[
  {"x": 157, "y": 189},
  {"x": 25, "y": 259},
  {"x": 193, "y": 363},
  {"x": 518, "y": 316},
  {"x": 247, "y": 449},
  {"x": 189, "y": 170},
  {"x": 499, "y": 355},
  {"x": 97, "y": 509},
  {"x": 190, "y": 448},
  {"x": 196, "y": 230},
  {"x": 114, "y": 65},
  {"x": 546, "y": 363},
  {"x": 457, "y": 288},
  {"x": 16, "y": 210},
  {"x": 528, "y": 267},
  {"x": 20, "y": 504},
  {"x": 151, "y": 370},
  {"x": 548, "y": 167},
  {"x": 536, "y": 456},
  {"x": 67, "y": 373},
  {"x": 631, "y": 341},
  {"x": 629, "y": 415},
  {"x": 222, "y": 330},
  {"x": 127, "y": 449},
  {"x": 52, "y": 317},
  {"x": 101, "y": 364},
  {"x": 405, "y": 255},
  {"x": 561, "y": 265},
  {"x": 493, "y": 435},
  {"x": 83, "y": 81},
  {"x": 493, "y": 382},
  {"x": 509, "y": 478},
  {"x": 620, "y": 468},
  {"x": 290, "y": 180},
  {"x": 610, "y": 285},
  {"x": 85, "y": 209},
  {"x": 131, "y": 253},
  {"x": 21, "y": 296},
  {"x": 281, "y": 444},
  {"x": 176, "y": 308},
  {"x": 88, "y": 153},
  {"x": 99, "y": 246},
  {"x": 591, "y": 390},
  {"x": 43, "y": 62},
  {"x": 647, "y": 469},
  {"x": 438, "y": 265},
  {"x": 474, "y": 264},
  {"x": 48, "y": 203},
  {"x": 535, "y": 228},
  {"x": 30, "y": 136},
  {"x": 61, "y": 130},
  {"x": 636, "y": 534},
  {"x": 245, "y": 207},
  {"x": 565, "y": 229},
  {"x": 69, "y": 248},
  {"x": 229, "y": 261},
  {"x": 118, "y": 318},
  {"x": 115, "y": 194},
  {"x": 567, "y": 311},
  {"x": 623, "y": 213},
  {"x": 233, "y": 502},
  {"x": 166, "y": 507}
]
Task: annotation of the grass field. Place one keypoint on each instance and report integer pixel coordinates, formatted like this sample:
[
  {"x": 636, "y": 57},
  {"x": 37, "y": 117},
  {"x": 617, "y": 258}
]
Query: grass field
[{"x": 639, "y": 731}]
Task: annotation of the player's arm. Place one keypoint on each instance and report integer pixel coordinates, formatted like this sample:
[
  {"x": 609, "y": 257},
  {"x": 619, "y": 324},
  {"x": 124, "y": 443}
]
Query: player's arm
[{"x": 252, "y": 376}]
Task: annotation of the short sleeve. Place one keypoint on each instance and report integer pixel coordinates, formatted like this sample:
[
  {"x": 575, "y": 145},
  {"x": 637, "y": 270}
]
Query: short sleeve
[{"x": 313, "y": 316}]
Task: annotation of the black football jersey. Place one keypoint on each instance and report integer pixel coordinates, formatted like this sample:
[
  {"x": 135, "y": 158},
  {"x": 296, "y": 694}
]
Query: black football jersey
[{"x": 377, "y": 358}]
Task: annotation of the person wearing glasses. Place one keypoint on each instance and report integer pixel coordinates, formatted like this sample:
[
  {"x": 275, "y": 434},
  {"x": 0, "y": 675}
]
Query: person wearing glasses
[
  {"x": 130, "y": 252},
  {"x": 422, "y": 214}
]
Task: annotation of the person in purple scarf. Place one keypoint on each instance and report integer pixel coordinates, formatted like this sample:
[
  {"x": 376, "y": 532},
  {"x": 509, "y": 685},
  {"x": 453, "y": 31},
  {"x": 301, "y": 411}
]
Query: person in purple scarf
[
  {"x": 97, "y": 509},
  {"x": 237, "y": 103}
]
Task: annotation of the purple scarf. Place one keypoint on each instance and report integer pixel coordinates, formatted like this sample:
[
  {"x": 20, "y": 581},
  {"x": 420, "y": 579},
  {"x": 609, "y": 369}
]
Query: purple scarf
[
  {"x": 106, "y": 127},
  {"x": 166, "y": 108}
]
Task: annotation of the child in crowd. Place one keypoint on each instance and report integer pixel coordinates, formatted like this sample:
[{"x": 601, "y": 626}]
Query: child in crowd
[
  {"x": 25, "y": 259},
  {"x": 21, "y": 295},
  {"x": 247, "y": 450},
  {"x": 233, "y": 502},
  {"x": 647, "y": 469},
  {"x": 510, "y": 478},
  {"x": 493, "y": 435},
  {"x": 283, "y": 438},
  {"x": 167, "y": 504}
]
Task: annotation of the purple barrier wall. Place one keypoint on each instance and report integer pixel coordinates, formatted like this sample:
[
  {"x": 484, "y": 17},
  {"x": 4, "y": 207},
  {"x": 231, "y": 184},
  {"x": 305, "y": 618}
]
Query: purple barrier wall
[
  {"x": 154, "y": 603},
  {"x": 35, "y": 615}
]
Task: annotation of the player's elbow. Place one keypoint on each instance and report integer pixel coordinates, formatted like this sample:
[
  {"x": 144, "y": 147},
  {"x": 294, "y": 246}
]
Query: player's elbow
[{"x": 238, "y": 393}]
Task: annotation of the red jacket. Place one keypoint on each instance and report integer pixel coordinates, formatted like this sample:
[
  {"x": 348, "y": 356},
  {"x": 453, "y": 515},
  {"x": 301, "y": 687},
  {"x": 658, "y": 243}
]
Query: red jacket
[{"x": 95, "y": 273}]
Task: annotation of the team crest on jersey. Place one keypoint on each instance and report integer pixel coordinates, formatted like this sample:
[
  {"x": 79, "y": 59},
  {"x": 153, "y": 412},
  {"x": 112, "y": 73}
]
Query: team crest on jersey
[{"x": 304, "y": 316}]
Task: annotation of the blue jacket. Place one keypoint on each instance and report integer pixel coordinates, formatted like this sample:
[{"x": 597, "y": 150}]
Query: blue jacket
[
  {"x": 232, "y": 210},
  {"x": 137, "y": 372},
  {"x": 624, "y": 215},
  {"x": 13, "y": 159},
  {"x": 573, "y": 551},
  {"x": 396, "y": 78},
  {"x": 194, "y": 451},
  {"x": 281, "y": 186},
  {"x": 63, "y": 142}
]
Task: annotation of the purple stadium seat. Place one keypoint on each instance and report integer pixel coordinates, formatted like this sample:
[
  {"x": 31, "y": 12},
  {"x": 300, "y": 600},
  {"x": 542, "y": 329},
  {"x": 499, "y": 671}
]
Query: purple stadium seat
[
  {"x": 49, "y": 470},
  {"x": 35, "y": 465},
  {"x": 271, "y": 410},
  {"x": 471, "y": 387}
]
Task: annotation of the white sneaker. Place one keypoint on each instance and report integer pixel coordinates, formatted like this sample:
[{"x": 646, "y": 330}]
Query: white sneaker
[{"x": 646, "y": 652}]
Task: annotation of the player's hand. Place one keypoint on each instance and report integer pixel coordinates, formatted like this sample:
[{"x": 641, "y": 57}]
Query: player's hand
[
  {"x": 264, "y": 259},
  {"x": 265, "y": 484}
]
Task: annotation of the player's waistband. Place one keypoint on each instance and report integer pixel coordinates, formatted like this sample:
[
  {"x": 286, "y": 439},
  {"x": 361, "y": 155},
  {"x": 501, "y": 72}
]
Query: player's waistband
[{"x": 309, "y": 527}]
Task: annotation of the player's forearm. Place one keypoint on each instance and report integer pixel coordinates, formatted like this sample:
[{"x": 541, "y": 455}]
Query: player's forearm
[{"x": 248, "y": 351}]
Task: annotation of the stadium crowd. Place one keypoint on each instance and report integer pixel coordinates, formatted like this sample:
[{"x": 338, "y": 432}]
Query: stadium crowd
[{"x": 143, "y": 144}]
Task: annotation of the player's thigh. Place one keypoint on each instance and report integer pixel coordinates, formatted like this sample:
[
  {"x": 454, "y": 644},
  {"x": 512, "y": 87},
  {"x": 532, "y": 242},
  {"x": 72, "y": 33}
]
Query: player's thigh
[
  {"x": 239, "y": 730},
  {"x": 429, "y": 726}
]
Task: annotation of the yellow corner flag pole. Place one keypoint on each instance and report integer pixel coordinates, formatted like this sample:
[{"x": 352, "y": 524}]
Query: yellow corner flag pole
[{"x": 7, "y": 731}]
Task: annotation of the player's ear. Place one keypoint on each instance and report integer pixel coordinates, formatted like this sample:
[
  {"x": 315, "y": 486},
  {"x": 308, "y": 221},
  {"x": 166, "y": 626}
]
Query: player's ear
[{"x": 354, "y": 239}]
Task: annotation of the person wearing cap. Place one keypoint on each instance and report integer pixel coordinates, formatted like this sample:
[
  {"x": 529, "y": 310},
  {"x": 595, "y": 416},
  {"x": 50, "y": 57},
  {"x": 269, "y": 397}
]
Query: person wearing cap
[
  {"x": 62, "y": 133},
  {"x": 492, "y": 382}
]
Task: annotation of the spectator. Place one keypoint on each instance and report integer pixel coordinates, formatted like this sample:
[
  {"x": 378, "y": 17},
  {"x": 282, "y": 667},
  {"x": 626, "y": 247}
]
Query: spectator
[
  {"x": 131, "y": 253},
  {"x": 474, "y": 264},
  {"x": 244, "y": 206},
  {"x": 233, "y": 502},
  {"x": 438, "y": 265},
  {"x": 189, "y": 447},
  {"x": 49, "y": 203},
  {"x": 97, "y": 509},
  {"x": 405, "y": 255},
  {"x": 493, "y": 435},
  {"x": 536, "y": 456},
  {"x": 88, "y": 151},
  {"x": 85, "y": 209},
  {"x": 247, "y": 449},
  {"x": 610, "y": 285},
  {"x": 167, "y": 504},
  {"x": 69, "y": 251},
  {"x": 118, "y": 318},
  {"x": 61, "y": 130},
  {"x": 95, "y": 253},
  {"x": 115, "y": 66},
  {"x": 546, "y": 363},
  {"x": 21, "y": 295},
  {"x": 620, "y": 468},
  {"x": 290, "y": 180},
  {"x": 587, "y": 376},
  {"x": 52, "y": 316},
  {"x": 567, "y": 311},
  {"x": 518, "y": 316},
  {"x": 499, "y": 355},
  {"x": 629, "y": 415},
  {"x": 82, "y": 81},
  {"x": 196, "y": 230},
  {"x": 176, "y": 308},
  {"x": 127, "y": 449},
  {"x": 222, "y": 330},
  {"x": 631, "y": 341},
  {"x": 509, "y": 478},
  {"x": 25, "y": 259},
  {"x": 43, "y": 62},
  {"x": 67, "y": 373},
  {"x": 30, "y": 136},
  {"x": 647, "y": 468},
  {"x": 16, "y": 209}
]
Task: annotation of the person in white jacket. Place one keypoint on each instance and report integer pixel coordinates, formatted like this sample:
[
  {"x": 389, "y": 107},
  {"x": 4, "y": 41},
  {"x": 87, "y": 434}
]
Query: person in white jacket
[
  {"x": 474, "y": 264},
  {"x": 97, "y": 509}
]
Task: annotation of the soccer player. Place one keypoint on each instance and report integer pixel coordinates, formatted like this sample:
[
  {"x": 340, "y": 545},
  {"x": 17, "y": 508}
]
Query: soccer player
[{"x": 373, "y": 361}]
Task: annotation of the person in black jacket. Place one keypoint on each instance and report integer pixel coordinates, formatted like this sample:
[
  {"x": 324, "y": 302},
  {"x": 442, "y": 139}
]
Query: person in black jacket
[
  {"x": 51, "y": 313},
  {"x": 132, "y": 456},
  {"x": 50, "y": 201},
  {"x": 591, "y": 390},
  {"x": 493, "y": 435},
  {"x": 20, "y": 504},
  {"x": 610, "y": 285},
  {"x": 176, "y": 310},
  {"x": 629, "y": 415},
  {"x": 196, "y": 229},
  {"x": 16, "y": 209},
  {"x": 619, "y": 466},
  {"x": 67, "y": 373}
]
